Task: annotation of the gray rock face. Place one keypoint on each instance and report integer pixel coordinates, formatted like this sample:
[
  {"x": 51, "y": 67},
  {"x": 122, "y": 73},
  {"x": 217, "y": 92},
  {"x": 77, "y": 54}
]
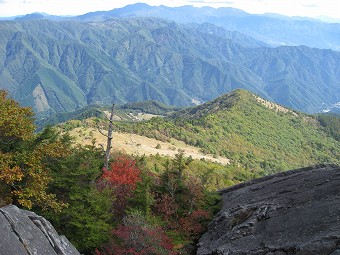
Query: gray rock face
[
  {"x": 25, "y": 233},
  {"x": 295, "y": 212}
]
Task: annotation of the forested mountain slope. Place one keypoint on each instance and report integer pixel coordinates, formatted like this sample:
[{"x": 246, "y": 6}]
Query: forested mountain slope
[
  {"x": 259, "y": 135},
  {"x": 64, "y": 65}
]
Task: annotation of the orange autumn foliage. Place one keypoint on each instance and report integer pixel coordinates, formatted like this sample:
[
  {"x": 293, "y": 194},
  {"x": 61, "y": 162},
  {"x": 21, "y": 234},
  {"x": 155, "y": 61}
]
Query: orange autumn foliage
[{"x": 24, "y": 178}]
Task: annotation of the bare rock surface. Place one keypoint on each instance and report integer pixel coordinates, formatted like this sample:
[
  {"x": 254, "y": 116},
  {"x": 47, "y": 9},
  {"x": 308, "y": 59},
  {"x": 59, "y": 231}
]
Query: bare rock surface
[
  {"x": 25, "y": 233},
  {"x": 294, "y": 212}
]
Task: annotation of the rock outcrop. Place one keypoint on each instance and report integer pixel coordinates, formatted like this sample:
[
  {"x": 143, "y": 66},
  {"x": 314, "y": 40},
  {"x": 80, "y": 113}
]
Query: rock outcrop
[
  {"x": 295, "y": 212},
  {"x": 25, "y": 233}
]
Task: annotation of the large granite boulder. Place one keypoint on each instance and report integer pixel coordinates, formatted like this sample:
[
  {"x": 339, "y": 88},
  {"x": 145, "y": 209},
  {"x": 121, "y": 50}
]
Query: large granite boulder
[
  {"x": 25, "y": 233},
  {"x": 295, "y": 212}
]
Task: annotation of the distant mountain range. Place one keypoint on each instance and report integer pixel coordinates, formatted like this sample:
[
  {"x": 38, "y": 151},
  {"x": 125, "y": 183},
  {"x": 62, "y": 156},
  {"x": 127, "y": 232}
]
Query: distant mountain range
[
  {"x": 273, "y": 29},
  {"x": 61, "y": 65}
]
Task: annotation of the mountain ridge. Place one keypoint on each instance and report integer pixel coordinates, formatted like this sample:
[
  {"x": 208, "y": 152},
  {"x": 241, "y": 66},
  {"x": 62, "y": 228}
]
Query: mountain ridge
[
  {"x": 74, "y": 64},
  {"x": 272, "y": 29},
  {"x": 250, "y": 132}
]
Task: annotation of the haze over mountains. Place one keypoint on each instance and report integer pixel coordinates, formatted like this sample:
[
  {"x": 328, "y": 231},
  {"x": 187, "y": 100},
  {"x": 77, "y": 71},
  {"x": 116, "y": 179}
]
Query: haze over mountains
[
  {"x": 273, "y": 29},
  {"x": 129, "y": 54}
]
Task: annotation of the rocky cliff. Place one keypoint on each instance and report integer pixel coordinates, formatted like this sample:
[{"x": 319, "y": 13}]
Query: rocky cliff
[
  {"x": 295, "y": 212},
  {"x": 25, "y": 233}
]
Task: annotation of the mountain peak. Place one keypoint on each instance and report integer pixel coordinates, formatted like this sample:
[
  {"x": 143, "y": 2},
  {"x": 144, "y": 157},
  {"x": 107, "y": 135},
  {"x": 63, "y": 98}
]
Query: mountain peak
[
  {"x": 224, "y": 102},
  {"x": 136, "y": 7},
  {"x": 241, "y": 98},
  {"x": 35, "y": 15}
]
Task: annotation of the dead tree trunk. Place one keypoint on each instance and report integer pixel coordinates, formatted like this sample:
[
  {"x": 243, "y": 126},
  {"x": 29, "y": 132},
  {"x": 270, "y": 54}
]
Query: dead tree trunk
[{"x": 109, "y": 138}]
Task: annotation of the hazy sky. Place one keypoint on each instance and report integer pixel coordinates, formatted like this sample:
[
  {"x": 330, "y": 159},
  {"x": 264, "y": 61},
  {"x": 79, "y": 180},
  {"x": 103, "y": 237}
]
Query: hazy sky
[{"x": 310, "y": 8}]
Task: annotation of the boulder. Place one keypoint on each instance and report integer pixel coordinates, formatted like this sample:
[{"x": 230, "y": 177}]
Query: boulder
[
  {"x": 25, "y": 233},
  {"x": 294, "y": 212}
]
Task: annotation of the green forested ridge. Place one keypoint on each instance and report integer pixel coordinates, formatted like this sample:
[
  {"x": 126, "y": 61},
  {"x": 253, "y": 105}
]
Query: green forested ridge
[
  {"x": 331, "y": 124},
  {"x": 152, "y": 107},
  {"x": 60, "y": 66},
  {"x": 123, "y": 111},
  {"x": 44, "y": 119},
  {"x": 249, "y": 133}
]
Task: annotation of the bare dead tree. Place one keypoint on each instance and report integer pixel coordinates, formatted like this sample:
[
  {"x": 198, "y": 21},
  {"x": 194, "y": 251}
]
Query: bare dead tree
[{"x": 109, "y": 138}]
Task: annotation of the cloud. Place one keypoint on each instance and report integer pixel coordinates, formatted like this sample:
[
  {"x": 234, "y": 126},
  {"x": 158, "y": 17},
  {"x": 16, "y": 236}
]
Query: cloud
[
  {"x": 311, "y": 6},
  {"x": 35, "y": 1},
  {"x": 210, "y": 2}
]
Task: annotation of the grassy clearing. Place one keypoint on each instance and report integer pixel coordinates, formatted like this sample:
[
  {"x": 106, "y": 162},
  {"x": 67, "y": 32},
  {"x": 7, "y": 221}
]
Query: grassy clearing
[{"x": 139, "y": 145}]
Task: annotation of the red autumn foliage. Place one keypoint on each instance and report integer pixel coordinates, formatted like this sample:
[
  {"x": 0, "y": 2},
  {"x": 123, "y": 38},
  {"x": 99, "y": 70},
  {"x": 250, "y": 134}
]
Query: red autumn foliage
[
  {"x": 138, "y": 240},
  {"x": 166, "y": 206},
  {"x": 122, "y": 177},
  {"x": 123, "y": 172},
  {"x": 192, "y": 224}
]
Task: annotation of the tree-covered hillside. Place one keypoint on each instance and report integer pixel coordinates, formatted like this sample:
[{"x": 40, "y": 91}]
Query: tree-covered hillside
[
  {"x": 58, "y": 66},
  {"x": 138, "y": 205},
  {"x": 257, "y": 134}
]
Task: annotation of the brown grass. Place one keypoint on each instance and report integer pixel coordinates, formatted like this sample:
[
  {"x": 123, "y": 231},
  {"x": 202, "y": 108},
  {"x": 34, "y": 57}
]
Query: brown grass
[{"x": 140, "y": 145}]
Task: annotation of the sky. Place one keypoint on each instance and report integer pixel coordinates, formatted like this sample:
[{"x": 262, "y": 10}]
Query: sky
[{"x": 303, "y": 8}]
